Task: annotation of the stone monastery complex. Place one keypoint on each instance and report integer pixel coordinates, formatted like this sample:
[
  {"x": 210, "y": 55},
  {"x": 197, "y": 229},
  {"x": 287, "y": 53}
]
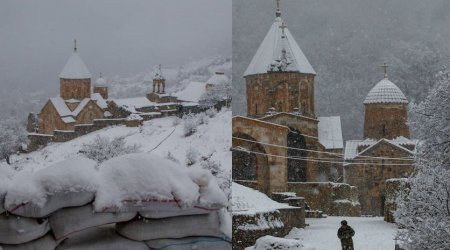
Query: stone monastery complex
[
  {"x": 81, "y": 108},
  {"x": 282, "y": 147}
]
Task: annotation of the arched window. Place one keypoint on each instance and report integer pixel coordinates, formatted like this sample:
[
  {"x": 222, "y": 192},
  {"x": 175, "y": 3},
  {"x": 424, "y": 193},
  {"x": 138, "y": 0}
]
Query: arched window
[{"x": 280, "y": 109}]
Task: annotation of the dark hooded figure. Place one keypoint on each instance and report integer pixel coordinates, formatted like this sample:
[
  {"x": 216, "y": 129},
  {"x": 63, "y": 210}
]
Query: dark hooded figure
[{"x": 345, "y": 234}]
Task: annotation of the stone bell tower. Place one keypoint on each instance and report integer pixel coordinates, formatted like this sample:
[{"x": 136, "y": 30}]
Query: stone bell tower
[
  {"x": 279, "y": 77},
  {"x": 75, "y": 78},
  {"x": 101, "y": 87},
  {"x": 159, "y": 82},
  {"x": 386, "y": 111}
]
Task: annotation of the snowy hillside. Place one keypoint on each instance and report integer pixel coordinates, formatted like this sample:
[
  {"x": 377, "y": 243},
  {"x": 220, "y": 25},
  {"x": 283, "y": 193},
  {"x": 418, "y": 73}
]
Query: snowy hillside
[
  {"x": 165, "y": 137},
  {"x": 176, "y": 78}
]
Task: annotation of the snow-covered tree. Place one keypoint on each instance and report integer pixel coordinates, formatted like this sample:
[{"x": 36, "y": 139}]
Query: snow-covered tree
[
  {"x": 423, "y": 213},
  {"x": 12, "y": 137},
  {"x": 102, "y": 148},
  {"x": 190, "y": 124},
  {"x": 215, "y": 94},
  {"x": 192, "y": 155}
]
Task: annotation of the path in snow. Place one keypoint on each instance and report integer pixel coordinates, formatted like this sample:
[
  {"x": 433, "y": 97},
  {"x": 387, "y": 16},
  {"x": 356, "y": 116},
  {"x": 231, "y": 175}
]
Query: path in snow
[{"x": 371, "y": 233}]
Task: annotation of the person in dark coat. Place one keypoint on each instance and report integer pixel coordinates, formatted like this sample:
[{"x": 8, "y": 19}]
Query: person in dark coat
[{"x": 345, "y": 234}]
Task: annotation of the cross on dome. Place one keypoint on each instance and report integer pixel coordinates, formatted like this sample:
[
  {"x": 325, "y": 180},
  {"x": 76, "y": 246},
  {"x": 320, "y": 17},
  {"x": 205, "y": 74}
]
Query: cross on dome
[
  {"x": 75, "y": 45},
  {"x": 385, "y": 66},
  {"x": 283, "y": 26}
]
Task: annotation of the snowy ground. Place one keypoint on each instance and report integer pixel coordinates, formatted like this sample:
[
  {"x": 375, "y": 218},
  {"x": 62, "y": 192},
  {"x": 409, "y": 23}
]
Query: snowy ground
[
  {"x": 159, "y": 136},
  {"x": 371, "y": 233}
]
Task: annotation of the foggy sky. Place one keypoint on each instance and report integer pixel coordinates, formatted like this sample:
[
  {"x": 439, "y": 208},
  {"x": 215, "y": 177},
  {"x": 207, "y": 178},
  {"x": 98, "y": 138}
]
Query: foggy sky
[{"x": 114, "y": 37}]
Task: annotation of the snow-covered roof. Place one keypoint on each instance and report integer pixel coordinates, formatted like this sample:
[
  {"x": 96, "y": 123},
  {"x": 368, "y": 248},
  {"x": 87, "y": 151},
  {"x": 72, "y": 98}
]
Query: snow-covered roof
[
  {"x": 72, "y": 100},
  {"x": 75, "y": 68},
  {"x": 249, "y": 201},
  {"x": 131, "y": 104},
  {"x": 385, "y": 91},
  {"x": 63, "y": 110},
  {"x": 275, "y": 46},
  {"x": 351, "y": 149},
  {"x": 100, "y": 82},
  {"x": 351, "y": 146},
  {"x": 218, "y": 78},
  {"x": 134, "y": 117},
  {"x": 401, "y": 140},
  {"x": 330, "y": 132},
  {"x": 192, "y": 92},
  {"x": 80, "y": 107},
  {"x": 68, "y": 119},
  {"x": 101, "y": 102},
  {"x": 60, "y": 106}
]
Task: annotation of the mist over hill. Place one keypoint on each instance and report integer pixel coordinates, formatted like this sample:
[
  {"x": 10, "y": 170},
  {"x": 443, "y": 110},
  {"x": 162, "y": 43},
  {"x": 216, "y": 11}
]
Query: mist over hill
[{"x": 346, "y": 42}]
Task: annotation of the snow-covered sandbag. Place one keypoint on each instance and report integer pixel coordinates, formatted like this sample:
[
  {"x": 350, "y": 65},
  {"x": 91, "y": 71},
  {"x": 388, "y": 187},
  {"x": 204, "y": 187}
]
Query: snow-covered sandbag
[
  {"x": 53, "y": 203},
  {"x": 137, "y": 182},
  {"x": 176, "y": 227},
  {"x": 69, "y": 220},
  {"x": 190, "y": 243},
  {"x": 72, "y": 182},
  {"x": 158, "y": 213},
  {"x": 270, "y": 242},
  {"x": 102, "y": 238},
  {"x": 46, "y": 242},
  {"x": 5, "y": 181},
  {"x": 211, "y": 198},
  {"x": 16, "y": 230}
]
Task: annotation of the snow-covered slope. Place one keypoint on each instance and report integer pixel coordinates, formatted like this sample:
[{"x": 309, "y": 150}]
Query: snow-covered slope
[{"x": 163, "y": 136}]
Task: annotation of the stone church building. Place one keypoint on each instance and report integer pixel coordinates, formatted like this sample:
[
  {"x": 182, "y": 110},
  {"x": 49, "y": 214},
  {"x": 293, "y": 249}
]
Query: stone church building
[
  {"x": 281, "y": 145},
  {"x": 76, "y": 103},
  {"x": 281, "y": 119},
  {"x": 386, "y": 152}
]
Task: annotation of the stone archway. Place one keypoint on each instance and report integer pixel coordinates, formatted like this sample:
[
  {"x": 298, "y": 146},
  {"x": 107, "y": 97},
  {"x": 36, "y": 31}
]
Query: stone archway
[
  {"x": 250, "y": 163},
  {"x": 297, "y": 168},
  {"x": 268, "y": 154}
]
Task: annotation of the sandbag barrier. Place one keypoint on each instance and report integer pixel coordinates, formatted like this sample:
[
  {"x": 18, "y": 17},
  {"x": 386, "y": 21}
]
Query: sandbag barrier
[
  {"x": 128, "y": 202},
  {"x": 83, "y": 228}
]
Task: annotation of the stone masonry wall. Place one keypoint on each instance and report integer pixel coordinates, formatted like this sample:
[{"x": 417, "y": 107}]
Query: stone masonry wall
[
  {"x": 393, "y": 188},
  {"x": 248, "y": 228},
  {"x": 385, "y": 121},
  {"x": 75, "y": 88},
  {"x": 337, "y": 199},
  {"x": 282, "y": 90},
  {"x": 370, "y": 176}
]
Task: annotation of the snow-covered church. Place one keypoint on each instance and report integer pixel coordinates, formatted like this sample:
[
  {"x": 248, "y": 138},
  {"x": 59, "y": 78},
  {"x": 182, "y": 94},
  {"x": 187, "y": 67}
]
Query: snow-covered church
[
  {"x": 81, "y": 108},
  {"x": 76, "y": 103},
  {"x": 282, "y": 146},
  {"x": 281, "y": 116}
]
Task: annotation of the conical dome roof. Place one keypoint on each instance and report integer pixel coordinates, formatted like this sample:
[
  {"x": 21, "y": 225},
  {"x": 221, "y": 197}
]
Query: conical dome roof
[
  {"x": 279, "y": 47},
  {"x": 385, "y": 91},
  {"x": 75, "y": 68}
]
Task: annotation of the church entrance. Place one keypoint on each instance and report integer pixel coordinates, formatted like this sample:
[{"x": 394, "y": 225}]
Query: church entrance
[
  {"x": 250, "y": 163},
  {"x": 296, "y": 161}
]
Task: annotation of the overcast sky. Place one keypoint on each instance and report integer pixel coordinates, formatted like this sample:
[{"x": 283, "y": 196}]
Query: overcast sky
[{"x": 115, "y": 37}]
